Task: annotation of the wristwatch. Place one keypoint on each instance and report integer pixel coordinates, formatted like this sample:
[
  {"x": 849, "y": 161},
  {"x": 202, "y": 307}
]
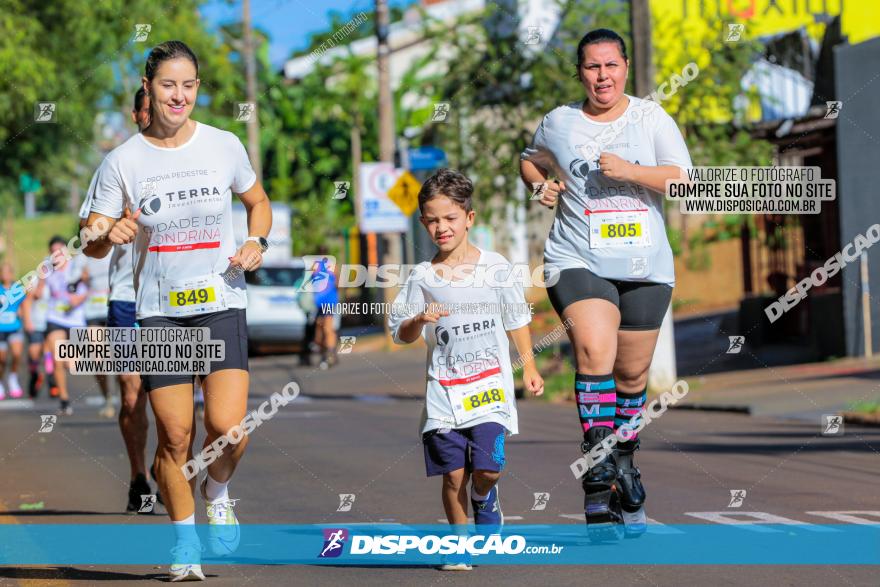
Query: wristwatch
[{"x": 264, "y": 244}]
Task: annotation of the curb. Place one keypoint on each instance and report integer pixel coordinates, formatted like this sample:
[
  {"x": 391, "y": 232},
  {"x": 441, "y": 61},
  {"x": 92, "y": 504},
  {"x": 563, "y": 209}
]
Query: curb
[
  {"x": 861, "y": 419},
  {"x": 733, "y": 409}
]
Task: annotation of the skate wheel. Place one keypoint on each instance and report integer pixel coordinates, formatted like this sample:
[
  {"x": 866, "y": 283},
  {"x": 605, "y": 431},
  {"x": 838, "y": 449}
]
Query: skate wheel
[
  {"x": 604, "y": 532},
  {"x": 635, "y": 523}
]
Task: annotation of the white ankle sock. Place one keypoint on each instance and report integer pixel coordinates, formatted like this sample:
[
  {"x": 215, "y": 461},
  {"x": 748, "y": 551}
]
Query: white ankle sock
[
  {"x": 477, "y": 497},
  {"x": 186, "y": 529},
  {"x": 215, "y": 490}
]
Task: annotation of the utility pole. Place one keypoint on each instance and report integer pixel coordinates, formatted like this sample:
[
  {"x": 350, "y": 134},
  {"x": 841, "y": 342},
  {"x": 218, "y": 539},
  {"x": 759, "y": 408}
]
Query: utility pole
[
  {"x": 386, "y": 138},
  {"x": 386, "y": 108},
  {"x": 640, "y": 27},
  {"x": 662, "y": 374},
  {"x": 250, "y": 68}
]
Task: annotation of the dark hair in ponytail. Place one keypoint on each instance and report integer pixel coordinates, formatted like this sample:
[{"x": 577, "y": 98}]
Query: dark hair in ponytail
[
  {"x": 600, "y": 36},
  {"x": 166, "y": 51},
  {"x": 139, "y": 99}
]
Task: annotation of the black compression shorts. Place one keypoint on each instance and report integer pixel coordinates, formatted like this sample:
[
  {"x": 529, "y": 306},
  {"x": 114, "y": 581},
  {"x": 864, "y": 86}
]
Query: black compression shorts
[{"x": 642, "y": 304}]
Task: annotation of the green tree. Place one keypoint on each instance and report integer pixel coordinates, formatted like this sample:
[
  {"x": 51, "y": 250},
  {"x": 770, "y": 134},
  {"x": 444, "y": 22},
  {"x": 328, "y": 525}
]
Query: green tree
[{"x": 83, "y": 56}]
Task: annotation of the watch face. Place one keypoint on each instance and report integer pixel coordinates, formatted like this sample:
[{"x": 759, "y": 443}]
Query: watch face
[{"x": 264, "y": 244}]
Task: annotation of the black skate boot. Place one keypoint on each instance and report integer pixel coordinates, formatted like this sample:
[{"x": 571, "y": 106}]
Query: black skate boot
[
  {"x": 631, "y": 490},
  {"x": 601, "y": 504}
]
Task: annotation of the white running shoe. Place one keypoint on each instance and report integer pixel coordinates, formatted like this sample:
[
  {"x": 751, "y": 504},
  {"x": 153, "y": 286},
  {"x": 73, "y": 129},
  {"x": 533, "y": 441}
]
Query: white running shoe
[
  {"x": 107, "y": 411},
  {"x": 186, "y": 563},
  {"x": 456, "y": 562},
  {"x": 224, "y": 533},
  {"x": 15, "y": 390}
]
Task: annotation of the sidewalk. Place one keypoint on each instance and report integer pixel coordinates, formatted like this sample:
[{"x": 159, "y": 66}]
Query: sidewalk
[{"x": 799, "y": 391}]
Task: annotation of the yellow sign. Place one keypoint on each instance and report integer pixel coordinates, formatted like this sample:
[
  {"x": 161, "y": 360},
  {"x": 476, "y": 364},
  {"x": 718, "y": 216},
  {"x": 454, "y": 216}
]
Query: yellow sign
[{"x": 405, "y": 193}]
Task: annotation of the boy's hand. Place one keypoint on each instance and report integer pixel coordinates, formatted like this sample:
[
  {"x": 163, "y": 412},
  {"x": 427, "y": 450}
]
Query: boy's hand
[
  {"x": 433, "y": 313},
  {"x": 533, "y": 381}
]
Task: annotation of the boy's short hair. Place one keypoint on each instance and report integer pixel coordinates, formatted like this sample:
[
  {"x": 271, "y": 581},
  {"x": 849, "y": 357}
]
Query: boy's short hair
[{"x": 450, "y": 183}]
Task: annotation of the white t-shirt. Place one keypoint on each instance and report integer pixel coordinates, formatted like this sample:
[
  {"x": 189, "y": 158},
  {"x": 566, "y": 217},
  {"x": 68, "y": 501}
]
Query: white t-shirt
[
  {"x": 40, "y": 309},
  {"x": 99, "y": 288},
  {"x": 613, "y": 228},
  {"x": 185, "y": 237},
  {"x": 121, "y": 276},
  {"x": 61, "y": 285},
  {"x": 468, "y": 351}
]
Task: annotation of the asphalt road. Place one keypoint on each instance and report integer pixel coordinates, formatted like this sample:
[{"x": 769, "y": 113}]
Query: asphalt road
[{"x": 354, "y": 430}]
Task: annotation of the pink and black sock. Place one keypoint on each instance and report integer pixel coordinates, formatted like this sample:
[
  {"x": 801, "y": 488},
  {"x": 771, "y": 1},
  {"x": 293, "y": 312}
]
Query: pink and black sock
[
  {"x": 595, "y": 396},
  {"x": 629, "y": 409}
]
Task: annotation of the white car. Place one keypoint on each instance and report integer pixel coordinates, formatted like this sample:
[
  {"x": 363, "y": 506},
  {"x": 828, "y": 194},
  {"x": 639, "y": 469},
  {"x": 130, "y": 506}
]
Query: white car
[{"x": 275, "y": 315}]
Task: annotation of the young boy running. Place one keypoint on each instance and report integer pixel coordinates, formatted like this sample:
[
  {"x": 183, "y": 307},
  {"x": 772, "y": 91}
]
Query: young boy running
[{"x": 468, "y": 299}]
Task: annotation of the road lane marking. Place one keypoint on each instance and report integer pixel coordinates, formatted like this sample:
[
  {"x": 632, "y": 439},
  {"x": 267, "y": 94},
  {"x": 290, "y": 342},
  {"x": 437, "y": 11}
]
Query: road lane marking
[
  {"x": 755, "y": 520},
  {"x": 850, "y": 516}
]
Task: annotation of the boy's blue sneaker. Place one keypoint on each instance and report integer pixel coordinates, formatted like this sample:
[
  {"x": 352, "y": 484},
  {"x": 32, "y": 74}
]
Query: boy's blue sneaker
[{"x": 488, "y": 512}]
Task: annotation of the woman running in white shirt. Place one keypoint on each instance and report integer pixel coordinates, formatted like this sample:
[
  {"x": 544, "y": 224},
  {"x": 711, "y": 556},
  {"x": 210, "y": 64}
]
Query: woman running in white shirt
[
  {"x": 178, "y": 177},
  {"x": 607, "y": 255}
]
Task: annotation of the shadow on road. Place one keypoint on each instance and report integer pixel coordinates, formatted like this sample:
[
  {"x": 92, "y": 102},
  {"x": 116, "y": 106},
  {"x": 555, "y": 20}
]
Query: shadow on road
[
  {"x": 788, "y": 448},
  {"x": 38, "y": 513},
  {"x": 74, "y": 574}
]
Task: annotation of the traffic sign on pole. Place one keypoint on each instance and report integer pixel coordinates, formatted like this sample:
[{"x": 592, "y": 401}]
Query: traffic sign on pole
[{"x": 405, "y": 193}]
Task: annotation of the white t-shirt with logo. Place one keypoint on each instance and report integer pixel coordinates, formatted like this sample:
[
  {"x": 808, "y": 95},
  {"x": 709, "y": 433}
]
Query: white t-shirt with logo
[
  {"x": 468, "y": 360},
  {"x": 121, "y": 276},
  {"x": 182, "y": 249},
  {"x": 613, "y": 228}
]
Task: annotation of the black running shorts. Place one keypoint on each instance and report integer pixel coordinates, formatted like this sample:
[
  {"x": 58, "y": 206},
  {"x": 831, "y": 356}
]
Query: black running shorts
[
  {"x": 227, "y": 325},
  {"x": 642, "y": 304}
]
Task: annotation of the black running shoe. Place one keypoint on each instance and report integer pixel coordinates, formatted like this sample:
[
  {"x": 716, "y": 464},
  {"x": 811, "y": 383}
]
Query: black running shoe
[{"x": 138, "y": 488}]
